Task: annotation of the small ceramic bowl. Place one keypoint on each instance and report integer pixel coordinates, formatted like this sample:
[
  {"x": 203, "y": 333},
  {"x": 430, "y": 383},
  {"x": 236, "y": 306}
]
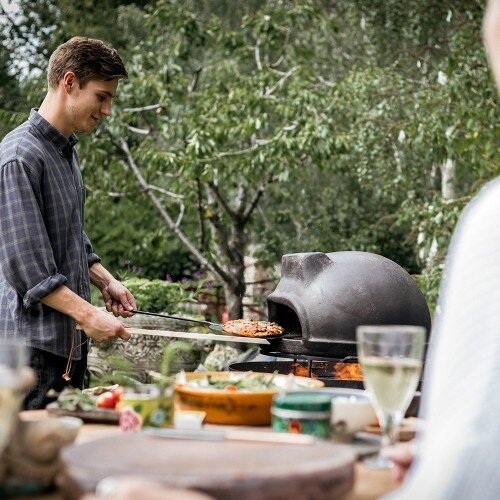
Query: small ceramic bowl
[
  {"x": 352, "y": 410},
  {"x": 71, "y": 425},
  {"x": 237, "y": 407}
]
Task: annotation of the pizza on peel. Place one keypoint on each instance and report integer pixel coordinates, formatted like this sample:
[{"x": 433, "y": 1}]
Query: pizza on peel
[{"x": 252, "y": 328}]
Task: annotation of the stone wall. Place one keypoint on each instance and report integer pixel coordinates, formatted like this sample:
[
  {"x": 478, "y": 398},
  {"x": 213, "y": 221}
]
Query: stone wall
[{"x": 144, "y": 352}]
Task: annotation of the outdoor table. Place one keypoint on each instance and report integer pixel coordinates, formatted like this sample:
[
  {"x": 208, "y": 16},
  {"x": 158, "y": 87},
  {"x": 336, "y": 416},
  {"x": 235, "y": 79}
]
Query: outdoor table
[{"x": 368, "y": 484}]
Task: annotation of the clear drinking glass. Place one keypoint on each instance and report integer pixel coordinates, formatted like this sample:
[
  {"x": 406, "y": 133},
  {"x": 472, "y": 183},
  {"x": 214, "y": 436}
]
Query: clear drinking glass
[
  {"x": 12, "y": 362},
  {"x": 391, "y": 360}
]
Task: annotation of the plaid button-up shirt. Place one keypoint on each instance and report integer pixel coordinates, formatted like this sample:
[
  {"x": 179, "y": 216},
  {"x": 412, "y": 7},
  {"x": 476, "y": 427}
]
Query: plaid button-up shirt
[{"x": 42, "y": 241}]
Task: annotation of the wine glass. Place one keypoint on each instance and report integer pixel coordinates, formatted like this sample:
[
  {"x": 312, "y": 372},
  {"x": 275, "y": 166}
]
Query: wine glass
[
  {"x": 391, "y": 361},
  {"x": 12, "y": 364}
]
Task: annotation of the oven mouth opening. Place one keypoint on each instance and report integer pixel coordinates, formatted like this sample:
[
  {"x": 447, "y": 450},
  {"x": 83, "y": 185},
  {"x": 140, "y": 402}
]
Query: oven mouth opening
[{"x": 286, "y": 317}]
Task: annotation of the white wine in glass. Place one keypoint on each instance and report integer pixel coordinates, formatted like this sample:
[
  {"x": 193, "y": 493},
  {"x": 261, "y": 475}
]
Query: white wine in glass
[
  {"x": 12, "y": 362},
  {"x": 391, "y": 361}
]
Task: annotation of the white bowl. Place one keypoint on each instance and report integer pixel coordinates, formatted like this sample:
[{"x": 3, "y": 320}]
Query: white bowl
[{"x": 352, "y": 410}]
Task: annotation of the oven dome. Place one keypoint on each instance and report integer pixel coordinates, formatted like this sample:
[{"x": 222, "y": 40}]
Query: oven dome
[{"x": 323, "y": 297}]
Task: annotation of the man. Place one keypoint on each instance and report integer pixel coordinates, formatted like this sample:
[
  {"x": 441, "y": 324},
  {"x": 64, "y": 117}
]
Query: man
[{"x": 46, "y": 259}]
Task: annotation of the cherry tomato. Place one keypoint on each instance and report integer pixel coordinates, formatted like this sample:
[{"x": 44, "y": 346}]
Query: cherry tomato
[{"x": 106, "y": 400}]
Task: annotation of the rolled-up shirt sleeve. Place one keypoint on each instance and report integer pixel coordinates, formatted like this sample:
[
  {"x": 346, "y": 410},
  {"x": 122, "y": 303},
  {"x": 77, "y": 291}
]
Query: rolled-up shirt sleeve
[
  {"x": 26, "y": 255},
  {"x": 92, "y": 258}
]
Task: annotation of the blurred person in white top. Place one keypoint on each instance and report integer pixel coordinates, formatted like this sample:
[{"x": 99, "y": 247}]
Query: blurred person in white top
[{"x": 457, "y": 454}]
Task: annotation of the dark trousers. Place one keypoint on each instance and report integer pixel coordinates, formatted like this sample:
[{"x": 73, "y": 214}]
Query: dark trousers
[{"x": 49, "y": 370}]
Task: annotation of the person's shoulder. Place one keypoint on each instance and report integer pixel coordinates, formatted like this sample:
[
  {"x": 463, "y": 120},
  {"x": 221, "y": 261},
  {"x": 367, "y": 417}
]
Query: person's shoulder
[
  {"x": 488, "y": 198},
  {"x": 21, "y": 145},
  {"x": 480, "y": 217}
]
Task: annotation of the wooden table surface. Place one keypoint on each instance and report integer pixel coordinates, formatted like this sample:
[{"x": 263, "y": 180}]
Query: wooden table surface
[{"x": 369, "y": 484}]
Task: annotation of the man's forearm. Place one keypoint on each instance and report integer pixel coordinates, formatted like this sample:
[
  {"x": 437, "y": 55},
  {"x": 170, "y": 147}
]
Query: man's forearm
[
  {"x": 96, "y": 324},
  {"x": 66, "y": 301},
  {"x": 100, "y": 276},
  {"x": 117, "y": 298}
]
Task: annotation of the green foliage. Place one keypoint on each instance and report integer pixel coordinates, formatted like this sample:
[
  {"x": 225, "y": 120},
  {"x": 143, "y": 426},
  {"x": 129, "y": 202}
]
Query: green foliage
[
  {"x": 170, "y": 353},
  {"x": 161, "y": 296},
  {"x": 140, "y": 246},
  {"x": 11, "y": 119},
  {"x": 429, "y": 282},
  {"x": 334, "y": 117},
  {"x": 119, "y": 371}
]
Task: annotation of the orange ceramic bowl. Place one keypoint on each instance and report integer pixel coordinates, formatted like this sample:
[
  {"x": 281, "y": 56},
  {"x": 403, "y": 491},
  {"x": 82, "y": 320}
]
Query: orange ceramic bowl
[{"x": 237, "y": 407}]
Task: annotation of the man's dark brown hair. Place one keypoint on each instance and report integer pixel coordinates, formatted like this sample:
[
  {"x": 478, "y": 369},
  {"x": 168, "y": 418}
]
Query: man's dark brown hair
[{"x": 88, "y": 58}]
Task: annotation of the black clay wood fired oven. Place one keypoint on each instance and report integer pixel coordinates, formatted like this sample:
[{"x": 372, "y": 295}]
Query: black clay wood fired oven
[{"x": 321, "y": 299}]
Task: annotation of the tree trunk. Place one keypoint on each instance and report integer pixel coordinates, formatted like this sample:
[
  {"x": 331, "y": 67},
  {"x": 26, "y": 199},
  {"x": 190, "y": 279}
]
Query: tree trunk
[
  {"x": 448, "y": 191},
  {"x": 234, "y": 301},
  {"x": 229, "y": 267},
  {"x": 448, "y": 179},
  {"x": 234, "y": 290}
]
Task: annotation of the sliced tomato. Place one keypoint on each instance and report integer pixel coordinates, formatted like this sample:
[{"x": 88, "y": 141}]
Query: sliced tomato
[{"x": 231, "y": 388}]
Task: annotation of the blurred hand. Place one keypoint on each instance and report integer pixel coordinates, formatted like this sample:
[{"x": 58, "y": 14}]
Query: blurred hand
[
  {"x": 118, "y": 299},
  {"x": 402, "y": 455},
  {"x": 133, "y": 488},
  {"x": 101, "y": 326}
]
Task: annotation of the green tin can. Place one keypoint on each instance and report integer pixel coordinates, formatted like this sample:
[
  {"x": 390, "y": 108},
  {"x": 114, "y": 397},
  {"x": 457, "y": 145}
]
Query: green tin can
[{"x": 302, "y": 413}]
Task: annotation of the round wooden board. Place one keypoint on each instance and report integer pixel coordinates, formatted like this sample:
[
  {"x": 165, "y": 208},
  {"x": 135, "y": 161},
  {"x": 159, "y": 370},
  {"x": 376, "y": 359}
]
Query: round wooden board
[{"x": 222, "y": 469}]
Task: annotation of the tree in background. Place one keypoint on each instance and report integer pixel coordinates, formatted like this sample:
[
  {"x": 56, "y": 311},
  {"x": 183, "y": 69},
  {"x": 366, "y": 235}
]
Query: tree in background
[{"x": 290, "y": 126}]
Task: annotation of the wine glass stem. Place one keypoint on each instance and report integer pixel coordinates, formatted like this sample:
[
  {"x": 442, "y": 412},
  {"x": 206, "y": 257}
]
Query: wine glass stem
[{"x": 390, "y": 430}]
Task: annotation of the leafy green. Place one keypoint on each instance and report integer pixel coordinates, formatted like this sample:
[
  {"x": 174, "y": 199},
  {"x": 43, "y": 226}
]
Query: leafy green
[
  {"x": 245, "y": 382},
  {"x": 72, "y": 399},
  {"x": 169, "y": 354}
]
